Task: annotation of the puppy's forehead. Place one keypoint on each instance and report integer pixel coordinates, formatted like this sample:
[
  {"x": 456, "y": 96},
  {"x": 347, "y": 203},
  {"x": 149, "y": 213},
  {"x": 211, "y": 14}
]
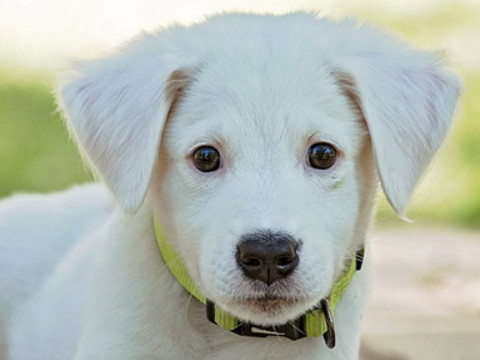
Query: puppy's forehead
[{"x": 273, "y": 93}]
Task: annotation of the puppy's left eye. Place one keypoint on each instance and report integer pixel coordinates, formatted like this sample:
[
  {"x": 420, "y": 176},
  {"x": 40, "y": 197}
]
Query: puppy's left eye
[
  {"x": 206, "y": 159},
  {"x": 321, "y": 156}
]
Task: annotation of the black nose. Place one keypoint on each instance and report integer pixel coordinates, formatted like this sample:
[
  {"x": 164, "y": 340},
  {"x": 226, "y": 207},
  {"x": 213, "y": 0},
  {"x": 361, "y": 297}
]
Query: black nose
[{"x": 267, "y": 256}]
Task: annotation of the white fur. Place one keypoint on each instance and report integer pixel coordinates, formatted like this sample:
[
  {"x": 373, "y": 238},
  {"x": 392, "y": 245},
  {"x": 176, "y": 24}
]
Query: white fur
[{"x": 81, "y": 279}]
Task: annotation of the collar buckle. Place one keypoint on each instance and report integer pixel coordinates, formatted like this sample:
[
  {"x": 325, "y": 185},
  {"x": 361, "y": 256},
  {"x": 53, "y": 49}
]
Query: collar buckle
[{"x": 294, "y": 330}]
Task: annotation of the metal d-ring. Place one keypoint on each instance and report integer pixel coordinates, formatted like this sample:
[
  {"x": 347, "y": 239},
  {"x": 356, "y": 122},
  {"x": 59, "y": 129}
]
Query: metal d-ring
[
  {"x": 359, "y": 257},
  {"x": 329, "y": 335}
]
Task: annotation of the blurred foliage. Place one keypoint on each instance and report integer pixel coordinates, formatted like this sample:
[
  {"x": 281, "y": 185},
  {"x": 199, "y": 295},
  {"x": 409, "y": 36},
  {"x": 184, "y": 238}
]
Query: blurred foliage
[
  {"x": 35, "y": 151},
  {"x": 37, "y": 155},
  {"x": 428, "y": 26}
]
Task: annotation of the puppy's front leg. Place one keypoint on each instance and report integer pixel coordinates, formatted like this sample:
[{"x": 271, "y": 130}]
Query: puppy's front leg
[
  {"x": 108, "y": 348},
  {"x": 118, "y": 333},
  {"x": 140, "y": 343},
  {"x": 135, "y": 309}
]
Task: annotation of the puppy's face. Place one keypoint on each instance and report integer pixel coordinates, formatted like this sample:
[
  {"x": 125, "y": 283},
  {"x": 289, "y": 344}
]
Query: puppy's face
[
  {"x": 260, "y": 179},
  {"x": 265, "y": 178}
]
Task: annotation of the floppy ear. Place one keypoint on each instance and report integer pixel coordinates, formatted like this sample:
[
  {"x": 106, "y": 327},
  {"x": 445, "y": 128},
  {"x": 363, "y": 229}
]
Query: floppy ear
[
  {"x": 116, "y": 108},
  {"x": 407, "y": 100}
]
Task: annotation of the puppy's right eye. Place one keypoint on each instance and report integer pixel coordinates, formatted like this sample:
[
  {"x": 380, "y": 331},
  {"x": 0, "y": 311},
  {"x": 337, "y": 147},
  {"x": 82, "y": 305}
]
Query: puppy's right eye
[
  {"x": 321, "y": 156},
  {"x": 206, "y": 158}
]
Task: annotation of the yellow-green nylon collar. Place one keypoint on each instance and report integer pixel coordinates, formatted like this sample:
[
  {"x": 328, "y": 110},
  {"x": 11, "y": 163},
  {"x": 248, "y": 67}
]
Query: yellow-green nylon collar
[{"x": 315, "y": 324}]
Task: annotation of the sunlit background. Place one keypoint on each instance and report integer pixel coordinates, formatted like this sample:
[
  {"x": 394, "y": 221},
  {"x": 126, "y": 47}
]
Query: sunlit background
[{"x": 39, "y": 37}]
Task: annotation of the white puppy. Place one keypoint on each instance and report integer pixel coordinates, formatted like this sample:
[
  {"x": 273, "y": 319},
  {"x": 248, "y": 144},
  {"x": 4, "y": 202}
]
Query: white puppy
[{"x": 254, "y": 142}]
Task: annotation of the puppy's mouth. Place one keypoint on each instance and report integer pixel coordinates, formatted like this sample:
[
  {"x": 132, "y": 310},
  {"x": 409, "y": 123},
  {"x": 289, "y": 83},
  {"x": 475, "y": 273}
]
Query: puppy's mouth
[
  {"x": 269, "y": 303},
  {"x": 262, "y": 304},
  {"x": 266, "y": 305},
  {"x": 266, "y": 309}
]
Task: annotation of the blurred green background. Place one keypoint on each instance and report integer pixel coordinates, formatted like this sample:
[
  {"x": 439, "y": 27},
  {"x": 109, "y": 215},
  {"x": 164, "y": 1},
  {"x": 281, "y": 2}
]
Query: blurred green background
[{"x": 37, "y": 155}]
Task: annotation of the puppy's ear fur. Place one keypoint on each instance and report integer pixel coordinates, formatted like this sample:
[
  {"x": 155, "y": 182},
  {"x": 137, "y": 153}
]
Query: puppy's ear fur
[
  {"x": 407, "y": 100},
  {"x": 116, "y": 109}
]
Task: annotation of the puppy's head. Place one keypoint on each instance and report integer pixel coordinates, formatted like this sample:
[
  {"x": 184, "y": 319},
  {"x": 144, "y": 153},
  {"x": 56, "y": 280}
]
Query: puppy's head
[{"x": 270, "y": 132}]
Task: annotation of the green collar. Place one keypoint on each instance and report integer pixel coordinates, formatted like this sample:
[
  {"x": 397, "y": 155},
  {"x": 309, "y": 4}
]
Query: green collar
[{"x": 315, "y": 322}]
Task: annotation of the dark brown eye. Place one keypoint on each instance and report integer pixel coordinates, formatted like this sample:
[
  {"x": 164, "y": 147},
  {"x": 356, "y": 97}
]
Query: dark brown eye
[
  {"x": 321, "y": 156},
  {"x": 206, "y": 159}
]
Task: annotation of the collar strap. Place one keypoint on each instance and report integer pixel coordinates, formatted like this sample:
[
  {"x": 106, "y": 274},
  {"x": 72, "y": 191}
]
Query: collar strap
[{"x": 316, "y": 322}]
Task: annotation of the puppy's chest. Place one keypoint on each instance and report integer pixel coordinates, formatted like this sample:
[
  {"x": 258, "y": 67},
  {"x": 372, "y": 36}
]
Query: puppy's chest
[{"x": 225, "y": 348}]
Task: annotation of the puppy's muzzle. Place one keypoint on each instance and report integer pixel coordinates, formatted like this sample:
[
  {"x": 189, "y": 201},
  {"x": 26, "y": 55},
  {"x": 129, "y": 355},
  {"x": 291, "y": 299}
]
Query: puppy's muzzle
[{"x": 267, "y": 256}]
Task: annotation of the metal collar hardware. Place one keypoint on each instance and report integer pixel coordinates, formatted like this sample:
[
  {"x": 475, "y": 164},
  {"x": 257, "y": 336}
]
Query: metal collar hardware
[{"x": 329, "y": 335}]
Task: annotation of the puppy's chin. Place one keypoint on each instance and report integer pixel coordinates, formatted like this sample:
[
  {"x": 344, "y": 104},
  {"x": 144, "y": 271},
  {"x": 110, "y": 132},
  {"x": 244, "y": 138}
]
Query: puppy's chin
[{"x": 268, "y": 310}]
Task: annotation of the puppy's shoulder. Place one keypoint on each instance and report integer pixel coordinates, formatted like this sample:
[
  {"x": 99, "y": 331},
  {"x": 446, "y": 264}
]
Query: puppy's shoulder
[{"x": 30, "y": 211}]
